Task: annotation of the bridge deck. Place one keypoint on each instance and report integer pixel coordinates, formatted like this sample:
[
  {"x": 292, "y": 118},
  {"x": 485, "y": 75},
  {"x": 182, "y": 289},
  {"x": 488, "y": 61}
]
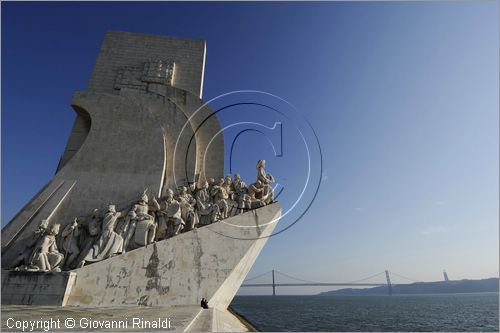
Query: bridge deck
[{"x": 311, "y": 284}]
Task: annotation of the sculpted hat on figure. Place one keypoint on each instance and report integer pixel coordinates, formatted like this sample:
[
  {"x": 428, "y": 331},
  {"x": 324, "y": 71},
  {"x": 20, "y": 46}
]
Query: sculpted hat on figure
[{"x": 143, "y": 100}]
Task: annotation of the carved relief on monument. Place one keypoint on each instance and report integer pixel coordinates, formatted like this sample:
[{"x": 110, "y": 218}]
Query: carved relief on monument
[
  {"x": 137, "y": 77},
  {"x": 101, "y": 236},
  {"x": 158, "y": 71}
]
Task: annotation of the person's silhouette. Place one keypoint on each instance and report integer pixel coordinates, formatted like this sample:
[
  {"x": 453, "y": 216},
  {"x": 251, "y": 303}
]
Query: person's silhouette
[{"x": 204, "y": 303}]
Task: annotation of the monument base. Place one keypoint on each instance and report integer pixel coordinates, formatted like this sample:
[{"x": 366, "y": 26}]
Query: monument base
[
  {"x": 36, "y": 288},
  {"x": 164, "y": 280}
]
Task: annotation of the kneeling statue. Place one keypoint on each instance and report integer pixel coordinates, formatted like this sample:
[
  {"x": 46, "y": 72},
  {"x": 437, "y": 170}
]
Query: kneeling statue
[{"x": 46, "y": 256}]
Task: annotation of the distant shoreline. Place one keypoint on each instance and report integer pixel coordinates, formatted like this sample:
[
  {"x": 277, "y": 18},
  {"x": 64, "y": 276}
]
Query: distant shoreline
[
  {"x": 423, "y": 288},
  {"x": 396, "y": 295}
]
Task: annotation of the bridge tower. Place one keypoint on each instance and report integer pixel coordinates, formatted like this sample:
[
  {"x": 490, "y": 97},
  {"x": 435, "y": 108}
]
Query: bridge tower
[
  {"x": 445, "y": 276},
  {"x": 389, "y": 286},
  {"x": 274, "y": 286}
]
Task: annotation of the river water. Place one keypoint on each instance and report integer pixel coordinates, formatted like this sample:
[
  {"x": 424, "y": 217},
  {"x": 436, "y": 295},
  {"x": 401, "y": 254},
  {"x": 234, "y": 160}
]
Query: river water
[{"x": 449, "y": 312}]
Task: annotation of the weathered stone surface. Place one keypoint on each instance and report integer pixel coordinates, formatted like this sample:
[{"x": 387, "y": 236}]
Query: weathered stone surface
[
  {"x": 127, "y": 49},
  {"x": 208, "y": 262},
  {"x": 36, "y": 288}
]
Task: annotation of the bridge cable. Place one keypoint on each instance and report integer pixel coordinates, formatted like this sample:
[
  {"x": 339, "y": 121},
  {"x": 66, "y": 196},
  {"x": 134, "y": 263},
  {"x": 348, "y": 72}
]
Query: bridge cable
[
  {"x": 404, "y": 277},
  {"x": 294, "y": 278},
  {"x": 256, "y": 277},
  {"x": 367, "y": 278}
]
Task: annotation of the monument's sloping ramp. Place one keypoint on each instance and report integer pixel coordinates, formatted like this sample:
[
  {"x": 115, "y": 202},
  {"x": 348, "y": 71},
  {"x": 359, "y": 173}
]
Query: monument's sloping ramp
[{"x": 209, "y": 262}]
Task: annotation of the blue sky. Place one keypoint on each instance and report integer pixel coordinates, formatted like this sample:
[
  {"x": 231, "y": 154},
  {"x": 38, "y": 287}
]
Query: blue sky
[{"x": 403, "y": 98}]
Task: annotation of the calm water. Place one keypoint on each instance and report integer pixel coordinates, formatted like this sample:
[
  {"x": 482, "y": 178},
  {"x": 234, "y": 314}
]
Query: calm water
[{"x": 451, "y": 312}]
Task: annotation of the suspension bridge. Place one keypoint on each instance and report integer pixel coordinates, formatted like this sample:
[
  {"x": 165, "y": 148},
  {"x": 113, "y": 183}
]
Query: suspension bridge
[{"x": 298, "y": 282}]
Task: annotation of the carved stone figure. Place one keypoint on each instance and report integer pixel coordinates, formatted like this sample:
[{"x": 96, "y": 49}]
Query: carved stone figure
[
  {"x": 109, "y": 243},
  {"x": 266, "y": 179},
  {"x": 24, "y": 256},
  {"x": 169, "y": 211},
  {"x": 231, "y": 196},
  {"x": 192, "y": 189},
  {"x": 94, "y": 226},
  {"x": 145, "y": 231},
  {"x": 227, "y": 185},
  {"x": 187, "y": 204},
  {"x": 127, "y": 229},
  {"x": 207, "y": 210},
  {"x": 89, "y": 233},
  {"x": 145, "y": 228},
  {"x": 240, "y": 194},
  {"x": 256, "y": 193},
  {"x": 211, "y": 184},
  {"x": 219, "y": 196},
  {"x": 139, "y": 227},
  {"x": 174, "y": 214},
  {"x": 161, "y": 218},
  {"x": 46, "y": 256},
  {"x": 69, "y": 243}
]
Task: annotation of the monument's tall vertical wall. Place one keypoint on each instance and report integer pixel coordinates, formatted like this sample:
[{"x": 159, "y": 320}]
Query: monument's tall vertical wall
[{"x": 140, "y": 124}]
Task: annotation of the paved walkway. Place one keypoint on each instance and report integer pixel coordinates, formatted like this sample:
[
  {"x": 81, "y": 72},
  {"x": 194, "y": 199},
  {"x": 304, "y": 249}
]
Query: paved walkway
[
  {"x": 190, "y": 318},
  {"x": 175, "y": 318}
]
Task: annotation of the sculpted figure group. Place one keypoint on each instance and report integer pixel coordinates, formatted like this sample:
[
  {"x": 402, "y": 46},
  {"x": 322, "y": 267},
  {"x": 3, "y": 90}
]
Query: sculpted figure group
[{"x": 102, "y": 236}]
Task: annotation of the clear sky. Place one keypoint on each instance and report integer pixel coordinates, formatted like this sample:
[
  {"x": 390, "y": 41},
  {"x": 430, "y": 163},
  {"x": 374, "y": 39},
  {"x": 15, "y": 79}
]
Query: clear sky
[{"x": 403, "y": 98}]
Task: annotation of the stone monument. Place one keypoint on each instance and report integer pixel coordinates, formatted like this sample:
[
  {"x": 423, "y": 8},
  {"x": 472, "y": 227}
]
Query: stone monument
[{"x": 109, "y": 230}]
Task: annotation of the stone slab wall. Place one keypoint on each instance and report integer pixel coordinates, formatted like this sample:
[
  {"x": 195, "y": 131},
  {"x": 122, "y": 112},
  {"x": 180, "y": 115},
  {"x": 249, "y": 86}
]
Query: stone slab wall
[{"x": 36, "y": 288}]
